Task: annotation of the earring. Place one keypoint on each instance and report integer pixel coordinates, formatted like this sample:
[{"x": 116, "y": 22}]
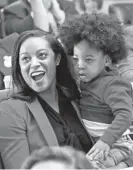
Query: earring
[{"x": 57, "y": 63}]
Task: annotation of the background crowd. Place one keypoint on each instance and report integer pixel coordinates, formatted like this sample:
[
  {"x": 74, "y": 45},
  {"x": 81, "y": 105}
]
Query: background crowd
[{"x": 18, "y": 16}]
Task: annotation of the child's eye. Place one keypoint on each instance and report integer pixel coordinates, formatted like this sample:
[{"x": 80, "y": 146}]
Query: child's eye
[{"x": 89, "y": 60}]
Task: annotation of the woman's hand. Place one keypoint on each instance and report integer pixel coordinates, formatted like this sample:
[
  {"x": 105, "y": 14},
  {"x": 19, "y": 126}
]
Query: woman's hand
[{"x": 99, "y": 151}]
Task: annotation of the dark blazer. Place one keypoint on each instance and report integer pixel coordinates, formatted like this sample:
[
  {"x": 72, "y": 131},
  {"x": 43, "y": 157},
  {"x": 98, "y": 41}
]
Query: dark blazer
[{"x": 24, "y": 127}]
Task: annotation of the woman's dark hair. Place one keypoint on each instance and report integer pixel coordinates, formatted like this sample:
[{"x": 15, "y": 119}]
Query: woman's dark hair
[
  {"x": 67, "y": 155},
  {"x": 100, "y": 30},
  {"x": 26, "y": 92}
]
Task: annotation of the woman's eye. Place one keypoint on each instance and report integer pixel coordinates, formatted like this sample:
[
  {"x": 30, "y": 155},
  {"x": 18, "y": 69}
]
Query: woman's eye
[
  {"x": 75, "y": 58},
  {"x": 43, "y": 55},
  {"x": 26, "y": 59}
]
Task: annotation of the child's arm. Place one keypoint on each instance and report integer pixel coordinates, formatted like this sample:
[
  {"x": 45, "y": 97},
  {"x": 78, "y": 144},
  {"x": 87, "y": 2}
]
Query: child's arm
[{"x": 118, "y": 95}]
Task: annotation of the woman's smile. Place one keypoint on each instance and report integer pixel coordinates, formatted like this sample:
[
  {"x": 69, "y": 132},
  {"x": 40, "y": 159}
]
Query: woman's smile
[
  {"x": 37, "y": 62},
  {"x": 38, "y": 76}
]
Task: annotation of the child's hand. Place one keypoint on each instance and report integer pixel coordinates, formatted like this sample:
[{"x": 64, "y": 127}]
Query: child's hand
[{"x": 99, "y": 151}]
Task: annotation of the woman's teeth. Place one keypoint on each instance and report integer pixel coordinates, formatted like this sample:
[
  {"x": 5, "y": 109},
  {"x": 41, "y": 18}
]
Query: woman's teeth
[{"x": 37, "y": 75}]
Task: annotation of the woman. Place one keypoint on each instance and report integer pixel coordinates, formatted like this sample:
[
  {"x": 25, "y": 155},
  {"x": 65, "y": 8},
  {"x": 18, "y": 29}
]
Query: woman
[{"x": 41, "y": 112}]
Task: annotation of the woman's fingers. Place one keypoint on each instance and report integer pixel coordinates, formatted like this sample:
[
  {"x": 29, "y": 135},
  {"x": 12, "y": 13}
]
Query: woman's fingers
[
  {"x": 91, "y": 150},
  {"x": 99, "y": 156},
  {"x": 93, "y": 154},
  {"x": 106, "y": 153}
]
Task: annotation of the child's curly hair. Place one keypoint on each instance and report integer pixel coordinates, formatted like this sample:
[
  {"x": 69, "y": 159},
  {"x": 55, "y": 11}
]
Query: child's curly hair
[{"x": 100, "y": 30}]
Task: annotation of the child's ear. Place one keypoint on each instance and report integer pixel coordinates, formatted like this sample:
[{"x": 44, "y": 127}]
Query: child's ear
[
  {"x": 108, "y": 61},
  {"x": 58, "y": 58}
]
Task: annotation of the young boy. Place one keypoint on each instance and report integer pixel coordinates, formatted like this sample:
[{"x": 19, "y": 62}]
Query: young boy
[{"x": 96, "y": 43}]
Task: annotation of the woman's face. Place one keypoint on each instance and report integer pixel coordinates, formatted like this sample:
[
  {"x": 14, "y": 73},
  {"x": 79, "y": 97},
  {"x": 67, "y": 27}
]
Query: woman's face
[{"x": 37, "y": 63}]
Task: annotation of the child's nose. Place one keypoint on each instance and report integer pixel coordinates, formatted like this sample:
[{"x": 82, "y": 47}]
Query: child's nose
[{"x": 81, "y": 64}]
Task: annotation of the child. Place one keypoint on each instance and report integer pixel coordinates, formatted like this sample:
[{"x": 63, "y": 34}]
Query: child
[{"x": 96, "y": 44}]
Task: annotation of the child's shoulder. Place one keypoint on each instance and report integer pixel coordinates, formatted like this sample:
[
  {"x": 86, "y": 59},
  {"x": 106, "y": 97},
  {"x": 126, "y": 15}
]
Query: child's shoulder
[
  {"x": 116, "y": 79},
  {"x": 116, "y": 83}
]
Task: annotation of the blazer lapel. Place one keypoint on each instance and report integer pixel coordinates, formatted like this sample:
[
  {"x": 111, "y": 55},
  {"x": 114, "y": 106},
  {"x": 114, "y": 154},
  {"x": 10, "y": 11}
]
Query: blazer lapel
[
  {"x": 75, "y": 106},
  {"x": 43, "y": 122}
]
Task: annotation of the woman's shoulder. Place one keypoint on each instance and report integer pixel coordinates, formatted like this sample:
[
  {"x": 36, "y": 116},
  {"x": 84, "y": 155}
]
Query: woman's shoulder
[{"x": 13, "y": 107}]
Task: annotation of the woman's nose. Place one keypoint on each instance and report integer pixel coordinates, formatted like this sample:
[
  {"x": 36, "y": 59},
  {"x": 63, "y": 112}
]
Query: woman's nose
[{"x": 35, "y": 62}]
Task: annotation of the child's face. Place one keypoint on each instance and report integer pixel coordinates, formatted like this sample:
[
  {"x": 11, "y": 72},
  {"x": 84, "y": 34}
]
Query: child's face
[{"x": 88, "y": 61}]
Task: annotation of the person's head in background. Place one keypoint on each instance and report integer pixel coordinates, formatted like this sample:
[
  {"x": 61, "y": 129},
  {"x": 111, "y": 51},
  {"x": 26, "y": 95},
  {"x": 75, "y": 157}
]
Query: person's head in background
[
  {"x": 94, "y": 42},
  {"x": 35, "y": 59},
  {"x": 57, "y": 158},
  {"x": 93, "y": 5},
  {"x": 116, "y": 12}
]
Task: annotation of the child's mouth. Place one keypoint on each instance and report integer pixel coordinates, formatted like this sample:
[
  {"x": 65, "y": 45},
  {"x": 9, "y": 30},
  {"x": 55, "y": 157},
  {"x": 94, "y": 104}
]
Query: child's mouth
[{"x": 82, "y": 76}]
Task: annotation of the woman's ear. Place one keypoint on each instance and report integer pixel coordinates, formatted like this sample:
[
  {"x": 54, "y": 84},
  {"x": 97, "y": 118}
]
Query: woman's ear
[{"x": 58, "y": 58}]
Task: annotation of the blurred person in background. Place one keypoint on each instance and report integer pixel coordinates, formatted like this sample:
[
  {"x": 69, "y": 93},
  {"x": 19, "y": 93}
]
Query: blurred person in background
[
  {"x": 69, "y": 7},
  {"x": 122, "y": 12},
  {"x": 26, "y": 15},
  {"x": 116, "y": 12},
  {"x": 2, "y": 85},
  {"x": 6, "y": 49},
  {"x": 56, "y": 15},
  {"x": 93, "y": 5},
  {"x": 88, "y": 6},
  {"x": 18, "y": 16},
  {"x": 126, "y": 66},
  {"x": 57, "y": 158}
]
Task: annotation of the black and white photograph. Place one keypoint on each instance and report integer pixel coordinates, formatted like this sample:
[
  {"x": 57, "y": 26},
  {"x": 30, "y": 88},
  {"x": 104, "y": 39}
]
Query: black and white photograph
[{"x": 66, "y": 84}]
